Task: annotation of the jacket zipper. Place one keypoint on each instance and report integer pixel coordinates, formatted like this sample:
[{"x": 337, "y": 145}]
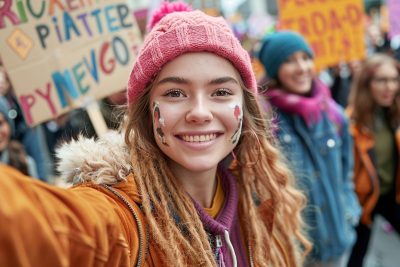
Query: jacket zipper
[
  {"x": 138, "y": 222},
  {"x": 250, "y": 256},
  {"x": 218, "y": 246}
]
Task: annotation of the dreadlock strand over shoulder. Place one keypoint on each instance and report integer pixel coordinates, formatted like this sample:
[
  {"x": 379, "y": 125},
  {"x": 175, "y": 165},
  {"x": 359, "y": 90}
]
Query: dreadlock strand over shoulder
[{"x": 270, "y": 179}]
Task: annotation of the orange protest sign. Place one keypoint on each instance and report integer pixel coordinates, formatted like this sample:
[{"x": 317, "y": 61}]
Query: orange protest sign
[{"x": 334, "y": 29}]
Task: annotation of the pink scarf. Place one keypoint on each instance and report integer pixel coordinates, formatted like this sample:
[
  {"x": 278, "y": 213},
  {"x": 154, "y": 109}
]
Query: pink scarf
[{"x": 309, "y": 108}]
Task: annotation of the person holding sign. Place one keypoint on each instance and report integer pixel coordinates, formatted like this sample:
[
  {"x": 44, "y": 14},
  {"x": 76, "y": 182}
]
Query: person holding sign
[
  {"x": 375, "y": 125},
  {"x": 314, "y": 136},
  {"x": 194, "y": 179}
]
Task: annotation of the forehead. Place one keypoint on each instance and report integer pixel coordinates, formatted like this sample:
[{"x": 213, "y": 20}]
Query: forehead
[
  {"x": 386, "y": 69},
  {"x": 203, "y": 65},
  {"x": 299, "y": 53}
]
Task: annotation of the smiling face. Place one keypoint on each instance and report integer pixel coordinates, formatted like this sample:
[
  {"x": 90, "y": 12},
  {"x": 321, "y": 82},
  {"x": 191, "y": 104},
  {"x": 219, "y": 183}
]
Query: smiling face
[
  {"x": 385, "y": 84},
  {"x": 197, "y": 112},
  {"x": 296, "y": 73}
]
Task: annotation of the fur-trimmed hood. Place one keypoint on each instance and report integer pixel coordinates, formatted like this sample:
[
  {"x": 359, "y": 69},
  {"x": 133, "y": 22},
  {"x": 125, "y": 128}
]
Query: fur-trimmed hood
[{"x": 104, "y": 160}]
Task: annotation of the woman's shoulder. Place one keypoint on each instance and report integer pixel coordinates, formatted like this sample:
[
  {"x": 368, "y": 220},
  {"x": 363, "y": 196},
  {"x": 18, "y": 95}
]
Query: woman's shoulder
[
  {"x": 104, "y": 160},
  {"x": 102, "y": 164},
  {"x": 43, "y": 213}
]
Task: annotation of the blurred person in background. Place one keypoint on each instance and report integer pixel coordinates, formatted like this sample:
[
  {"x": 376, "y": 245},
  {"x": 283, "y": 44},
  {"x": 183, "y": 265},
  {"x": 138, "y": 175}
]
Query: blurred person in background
[
  {"x": 314, "y": 136},
  {"x": 32, "y": 139},
  {"x": 77, "y": 123},
  {"x": 374, "y": 110},
  {"x": 12, "y": 152},
  {"x": 342, "y": 75}
]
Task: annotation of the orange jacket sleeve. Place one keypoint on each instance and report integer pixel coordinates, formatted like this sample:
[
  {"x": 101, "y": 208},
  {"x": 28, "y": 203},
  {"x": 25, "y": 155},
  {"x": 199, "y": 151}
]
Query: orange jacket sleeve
[{"x": 42, "y": 225}]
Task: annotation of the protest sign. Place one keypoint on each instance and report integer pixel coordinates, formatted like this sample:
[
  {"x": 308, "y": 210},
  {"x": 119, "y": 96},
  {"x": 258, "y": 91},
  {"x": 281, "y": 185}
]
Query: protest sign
[
  {"x": 394, "y": 18},
  {"x": 334, "y": 29},
  {"x": 61, "y": 54}
]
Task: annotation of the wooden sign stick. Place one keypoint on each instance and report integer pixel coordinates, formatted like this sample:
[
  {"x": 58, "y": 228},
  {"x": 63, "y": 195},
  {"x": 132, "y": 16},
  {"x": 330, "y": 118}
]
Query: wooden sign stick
[{"x": 97, "y": 119}]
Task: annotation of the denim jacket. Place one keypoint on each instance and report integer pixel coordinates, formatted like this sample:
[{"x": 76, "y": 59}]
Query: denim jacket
[{"x": 321, "y": 158}]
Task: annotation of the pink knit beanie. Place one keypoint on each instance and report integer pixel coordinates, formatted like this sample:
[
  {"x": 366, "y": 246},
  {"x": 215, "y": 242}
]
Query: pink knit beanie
[{"x": 185, "y": 31}]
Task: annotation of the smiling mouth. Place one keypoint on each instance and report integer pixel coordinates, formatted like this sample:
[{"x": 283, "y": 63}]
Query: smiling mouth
[
  {"x": 198, "y": 138},
  {"x": 302, "y": 79}
]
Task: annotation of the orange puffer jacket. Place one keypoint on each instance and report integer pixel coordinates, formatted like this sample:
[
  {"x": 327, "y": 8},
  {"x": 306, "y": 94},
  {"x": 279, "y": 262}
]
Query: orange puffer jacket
[
  {"x": 97, "y": 222},
  {"x": 87, "y": 225},
  {"x": 365, "y": 176}
]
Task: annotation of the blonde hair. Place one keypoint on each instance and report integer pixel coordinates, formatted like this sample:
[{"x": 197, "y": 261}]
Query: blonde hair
[{"x": 261, "y": 176}]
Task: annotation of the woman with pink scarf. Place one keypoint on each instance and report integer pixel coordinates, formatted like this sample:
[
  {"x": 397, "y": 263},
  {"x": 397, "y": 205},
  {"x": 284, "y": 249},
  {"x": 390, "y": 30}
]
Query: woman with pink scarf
[{"x": 314, "y": 136}]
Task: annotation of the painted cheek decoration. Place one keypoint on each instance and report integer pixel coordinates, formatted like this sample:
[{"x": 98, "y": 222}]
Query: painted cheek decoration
[
  {"x": 237, "y": 113},
  {"x": 158, "y": 122}
]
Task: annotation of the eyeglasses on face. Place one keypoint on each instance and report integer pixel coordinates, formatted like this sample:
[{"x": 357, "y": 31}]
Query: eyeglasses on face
[{"x": 386, "y": 80}]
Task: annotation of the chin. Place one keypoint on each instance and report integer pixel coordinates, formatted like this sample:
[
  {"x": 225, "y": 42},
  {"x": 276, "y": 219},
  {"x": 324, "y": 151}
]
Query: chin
[
  {"x": 305, "y": 90},
  {"x": 197, "y": 165},
  {"x": 385, "y": 104},
  {"x": 302, "y": 90}
]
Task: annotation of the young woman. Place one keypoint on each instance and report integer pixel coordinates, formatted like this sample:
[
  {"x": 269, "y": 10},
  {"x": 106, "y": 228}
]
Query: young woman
[
  {"x": 375, "y": 125},
  {"x": 167, "y": 194},
  {"x": 314, "y": 136}
]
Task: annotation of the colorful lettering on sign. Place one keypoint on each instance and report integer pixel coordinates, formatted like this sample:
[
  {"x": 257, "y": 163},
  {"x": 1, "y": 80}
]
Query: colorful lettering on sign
[
  {"x": 69, "y": 26},
  {"x": 28, "y": 100},
  {"x": 334, "y": 29},
  {"x": 36, "y": 9},
  {"x": 76, "y": 81},
  {"x": 319, "y": 22},
  {"x": 76, "y": 26},
  {"x": 71, "y": 50}
]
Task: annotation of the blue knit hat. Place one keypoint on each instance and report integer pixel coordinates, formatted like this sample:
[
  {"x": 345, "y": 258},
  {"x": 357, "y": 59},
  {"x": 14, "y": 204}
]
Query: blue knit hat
[
  {"x": 279, "y": 46},
  {"x": 4, "y": 109}
]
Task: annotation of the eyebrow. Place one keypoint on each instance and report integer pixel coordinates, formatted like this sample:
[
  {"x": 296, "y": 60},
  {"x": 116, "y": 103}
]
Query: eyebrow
[
  {"x": 173, "y": 79},
  {"x": 223, "y": 80},
  {"x": 180, "y": 80}
]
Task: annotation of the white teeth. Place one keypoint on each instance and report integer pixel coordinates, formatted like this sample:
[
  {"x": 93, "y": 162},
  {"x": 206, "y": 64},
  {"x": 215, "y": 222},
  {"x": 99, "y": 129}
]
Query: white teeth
[{"x": 199, "y": 138}]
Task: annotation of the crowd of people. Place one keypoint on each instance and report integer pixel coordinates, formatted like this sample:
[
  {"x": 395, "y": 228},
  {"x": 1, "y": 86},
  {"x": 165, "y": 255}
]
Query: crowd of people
[{"x": 208, "y": 166}]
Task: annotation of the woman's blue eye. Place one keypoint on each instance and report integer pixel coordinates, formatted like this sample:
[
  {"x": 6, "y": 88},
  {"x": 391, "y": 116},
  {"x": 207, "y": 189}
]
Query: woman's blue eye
[
  {"x": 174, "y": 93},
  {"x": 222, "y": 92}
]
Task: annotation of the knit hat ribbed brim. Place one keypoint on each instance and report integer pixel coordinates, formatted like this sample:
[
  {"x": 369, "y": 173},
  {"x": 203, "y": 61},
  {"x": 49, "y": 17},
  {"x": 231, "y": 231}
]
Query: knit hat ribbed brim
[
  {"x": 182, "y": 32},
  {"x": 278, "y": 47}
]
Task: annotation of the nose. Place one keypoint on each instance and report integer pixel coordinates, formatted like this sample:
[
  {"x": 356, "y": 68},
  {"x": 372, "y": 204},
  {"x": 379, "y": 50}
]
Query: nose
[
  {"x": 302, "y": 64},
  {"x": 199, "y": 111}
]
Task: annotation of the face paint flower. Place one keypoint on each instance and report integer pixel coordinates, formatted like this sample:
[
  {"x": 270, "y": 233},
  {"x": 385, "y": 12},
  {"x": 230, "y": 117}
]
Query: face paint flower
[
  {"x": 237, "y": 112},
  {"x": 238, "y": 116},
  {"x": 158, "y": 121}
]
